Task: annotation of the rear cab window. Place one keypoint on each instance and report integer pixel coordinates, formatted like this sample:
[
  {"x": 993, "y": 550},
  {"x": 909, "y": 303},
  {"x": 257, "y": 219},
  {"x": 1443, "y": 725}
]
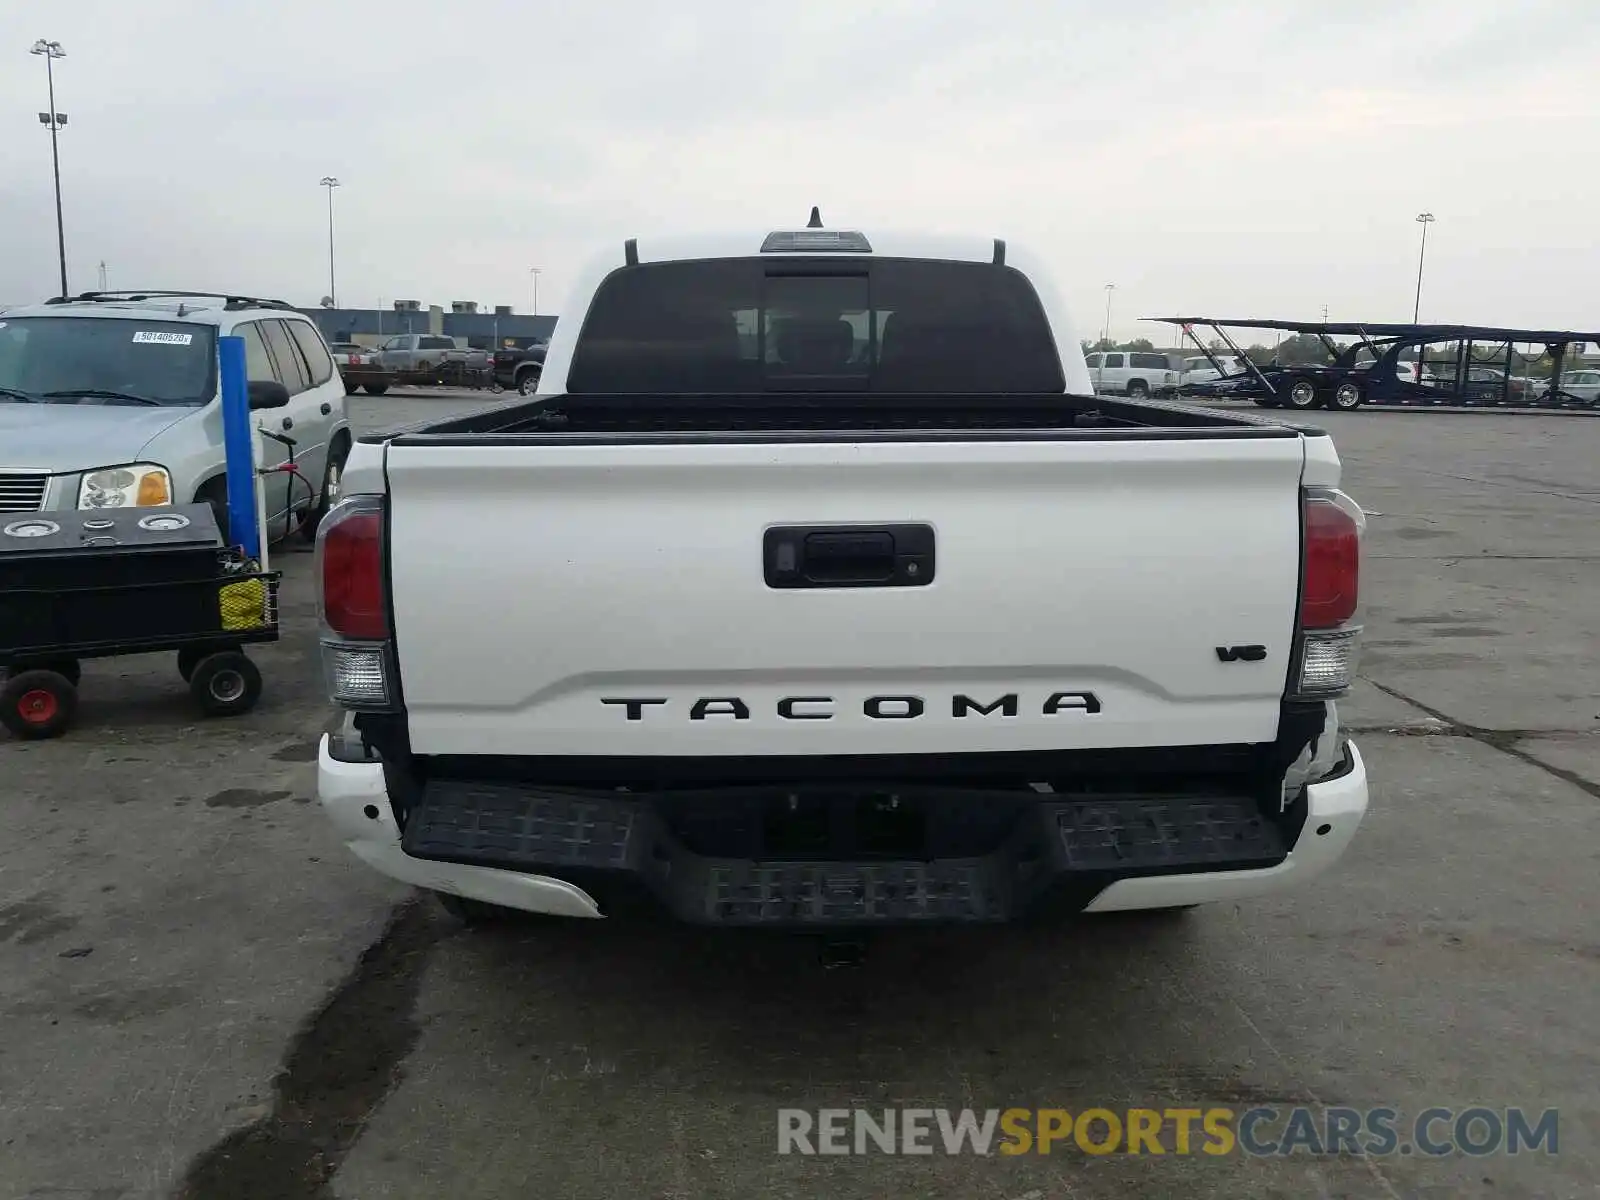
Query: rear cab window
[{"x": 803, "y": 323}]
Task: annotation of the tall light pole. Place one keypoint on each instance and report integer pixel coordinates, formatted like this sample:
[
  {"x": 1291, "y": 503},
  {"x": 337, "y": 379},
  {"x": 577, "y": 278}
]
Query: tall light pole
[
  {"x": 534, "y": 273},
  {"x": 1105, "y": 339},
  {"x": 329, "y": 182},
  {"x": 55, "y": 120},
  {"x": 1423, "y": 219}
]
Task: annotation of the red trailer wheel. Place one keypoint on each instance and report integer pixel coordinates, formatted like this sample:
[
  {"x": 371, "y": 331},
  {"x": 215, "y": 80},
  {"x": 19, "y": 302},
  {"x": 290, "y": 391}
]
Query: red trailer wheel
[{"x": 38, "y": 704}]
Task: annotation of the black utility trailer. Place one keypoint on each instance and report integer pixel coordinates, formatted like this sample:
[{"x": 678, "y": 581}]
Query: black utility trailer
[
  {"x": 96, "y": 583},
  {"x": 1471, "y": 366}
]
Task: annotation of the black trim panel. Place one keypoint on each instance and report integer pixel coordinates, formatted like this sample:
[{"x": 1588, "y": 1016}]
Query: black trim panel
[{"x": 739, "y": 437}]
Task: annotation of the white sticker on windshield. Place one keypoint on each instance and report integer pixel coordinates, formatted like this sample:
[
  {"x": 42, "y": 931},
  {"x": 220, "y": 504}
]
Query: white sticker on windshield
[{"x": 164, "y": 339}]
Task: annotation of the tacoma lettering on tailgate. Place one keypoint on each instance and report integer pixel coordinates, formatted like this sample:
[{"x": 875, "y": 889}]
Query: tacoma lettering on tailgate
[{"x": 878, "y": 708}]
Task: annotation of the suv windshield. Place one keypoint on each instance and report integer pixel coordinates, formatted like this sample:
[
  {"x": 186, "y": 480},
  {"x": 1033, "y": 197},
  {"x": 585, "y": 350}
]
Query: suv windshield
[
  {"x": 810, "y": 324},
  {"x": 55, "y": 359}
]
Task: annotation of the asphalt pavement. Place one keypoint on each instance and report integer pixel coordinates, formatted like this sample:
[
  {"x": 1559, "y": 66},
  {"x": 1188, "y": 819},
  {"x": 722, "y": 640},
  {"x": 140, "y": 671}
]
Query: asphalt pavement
[{"x": 204, "y": 995}]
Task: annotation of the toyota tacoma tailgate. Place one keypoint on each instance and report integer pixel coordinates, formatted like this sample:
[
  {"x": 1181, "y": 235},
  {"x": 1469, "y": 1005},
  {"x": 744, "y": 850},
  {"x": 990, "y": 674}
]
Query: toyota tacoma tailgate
[{"x": 627, "y": 597}]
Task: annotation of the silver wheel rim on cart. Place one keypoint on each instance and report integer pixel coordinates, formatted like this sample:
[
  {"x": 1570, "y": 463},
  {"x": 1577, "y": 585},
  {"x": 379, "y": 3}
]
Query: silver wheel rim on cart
[{"x": 226, "y": 686}]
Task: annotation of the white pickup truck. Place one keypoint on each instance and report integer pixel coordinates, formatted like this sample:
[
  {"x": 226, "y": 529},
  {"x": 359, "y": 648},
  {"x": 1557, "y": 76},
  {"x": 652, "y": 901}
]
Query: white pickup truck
[{"x": 813, "y": 588}]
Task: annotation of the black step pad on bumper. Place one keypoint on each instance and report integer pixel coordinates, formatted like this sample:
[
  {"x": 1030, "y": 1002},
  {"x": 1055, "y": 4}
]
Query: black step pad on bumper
[{"x": 1059, "y": 847}]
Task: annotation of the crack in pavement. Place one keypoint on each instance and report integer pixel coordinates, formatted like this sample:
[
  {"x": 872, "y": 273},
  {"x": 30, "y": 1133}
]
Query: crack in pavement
[
  {"x": 1577, "y": 497},
  {"x": 340, "y": 1066},
  {"x": 1455, "y": 559},
  {"x": 1503, "y": 740}
]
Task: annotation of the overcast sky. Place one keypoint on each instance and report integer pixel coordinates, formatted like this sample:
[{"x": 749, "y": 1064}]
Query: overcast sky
[{"x": 1234, "y": 158}]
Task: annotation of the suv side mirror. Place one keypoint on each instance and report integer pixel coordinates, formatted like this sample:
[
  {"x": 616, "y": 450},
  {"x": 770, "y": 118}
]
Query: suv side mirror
[{"x": 267, "y": 393}]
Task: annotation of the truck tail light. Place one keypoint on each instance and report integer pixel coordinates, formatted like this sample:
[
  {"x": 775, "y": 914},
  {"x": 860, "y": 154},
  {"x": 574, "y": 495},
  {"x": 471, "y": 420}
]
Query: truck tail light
[
  {"x": 1332, "y": 527},
  {"x": 357, "y": 657}
]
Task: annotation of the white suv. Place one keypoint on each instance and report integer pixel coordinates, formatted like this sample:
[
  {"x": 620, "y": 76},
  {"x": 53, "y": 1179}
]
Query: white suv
[
  {"x": 1131, "y": 373},
  {"x": 112, "y": 400}
]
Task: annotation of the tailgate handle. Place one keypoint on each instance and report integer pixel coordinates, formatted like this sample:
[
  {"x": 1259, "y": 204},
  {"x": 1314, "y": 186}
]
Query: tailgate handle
[{"x": 808, "y": 556}]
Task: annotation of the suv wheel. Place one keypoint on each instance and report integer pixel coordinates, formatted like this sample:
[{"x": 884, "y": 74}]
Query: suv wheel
[
  {"x": 1138, "y": 390},
  {"x": 215, "y": 494},
  {"x": 527, "y": 383},
  {"x": 332, "y": 490}
]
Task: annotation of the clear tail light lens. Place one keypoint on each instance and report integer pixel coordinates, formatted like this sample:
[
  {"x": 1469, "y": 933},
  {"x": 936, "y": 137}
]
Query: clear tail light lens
[
  {"x": 357, "y": 658},
  {"x": 1333, "y": 526}
]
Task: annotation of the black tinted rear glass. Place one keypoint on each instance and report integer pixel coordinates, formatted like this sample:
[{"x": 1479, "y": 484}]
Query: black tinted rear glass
[{"x": 869, "y": 325}]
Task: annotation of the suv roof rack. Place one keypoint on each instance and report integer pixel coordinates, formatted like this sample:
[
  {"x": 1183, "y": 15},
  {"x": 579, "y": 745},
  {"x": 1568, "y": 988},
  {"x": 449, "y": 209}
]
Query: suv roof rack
[{"x": 230, "y": 300}]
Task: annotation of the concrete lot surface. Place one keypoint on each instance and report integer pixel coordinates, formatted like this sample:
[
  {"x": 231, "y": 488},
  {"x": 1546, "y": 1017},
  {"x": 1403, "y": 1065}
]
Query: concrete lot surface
[{"x": 203, "y": 995}]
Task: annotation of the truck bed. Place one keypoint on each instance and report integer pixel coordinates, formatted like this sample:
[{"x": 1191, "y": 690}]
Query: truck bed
[{"x": 592, "y": 418}]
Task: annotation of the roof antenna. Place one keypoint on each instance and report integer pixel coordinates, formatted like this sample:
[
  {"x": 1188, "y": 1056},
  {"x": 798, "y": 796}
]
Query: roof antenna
[{"x": 816, "y": 219}]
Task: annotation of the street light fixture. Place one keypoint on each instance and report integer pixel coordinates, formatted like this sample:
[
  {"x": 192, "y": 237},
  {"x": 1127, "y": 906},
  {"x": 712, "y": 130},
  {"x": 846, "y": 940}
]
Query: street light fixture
[
  {"x": 56, "y": 121},
  {"x": 1423, "y": 219},
  {"x": 329, "y": 182},
  {"x": 534, "y": 273}
]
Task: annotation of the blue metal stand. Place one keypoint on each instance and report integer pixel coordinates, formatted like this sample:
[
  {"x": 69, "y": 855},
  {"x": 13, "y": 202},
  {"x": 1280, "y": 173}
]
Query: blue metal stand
[{"x": 237, "y": 442}]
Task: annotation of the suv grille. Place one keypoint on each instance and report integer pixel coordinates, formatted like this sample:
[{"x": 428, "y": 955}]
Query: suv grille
[{"x": 21, "y": 492}]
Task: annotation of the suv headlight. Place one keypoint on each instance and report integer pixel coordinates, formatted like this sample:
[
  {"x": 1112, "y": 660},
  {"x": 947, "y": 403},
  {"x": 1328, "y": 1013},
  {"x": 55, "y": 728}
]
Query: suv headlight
[{"x": 137, "y": 485}]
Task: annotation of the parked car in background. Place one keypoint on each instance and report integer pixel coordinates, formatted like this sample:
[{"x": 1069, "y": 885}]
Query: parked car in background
[
  {"x": 1132, "y": 373},
  {"x": 520, "y": 367},
  {"x": 408, "y": 352},
  {"x": 1485, "y": 384},
  {"x": 1199, "y": 369},
  {"x": 112, "y": 400},
  {"x": 1583, "y": 386},
  {"x": 358, "y": 367}
]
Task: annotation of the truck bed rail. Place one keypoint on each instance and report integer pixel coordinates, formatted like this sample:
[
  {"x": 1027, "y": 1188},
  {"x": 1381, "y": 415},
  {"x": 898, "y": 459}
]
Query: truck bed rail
[{"x": 838, "y": 417}]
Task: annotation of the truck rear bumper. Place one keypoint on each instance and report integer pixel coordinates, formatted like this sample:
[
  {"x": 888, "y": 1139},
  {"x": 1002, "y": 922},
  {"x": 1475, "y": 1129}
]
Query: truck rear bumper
[{"x": 554, "y": 852}]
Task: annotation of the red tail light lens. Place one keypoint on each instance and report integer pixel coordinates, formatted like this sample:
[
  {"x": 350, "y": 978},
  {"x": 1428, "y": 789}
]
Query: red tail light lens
[
  {"x": 1332, "y": 575},
  {"x": 350, "y": 570}
]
